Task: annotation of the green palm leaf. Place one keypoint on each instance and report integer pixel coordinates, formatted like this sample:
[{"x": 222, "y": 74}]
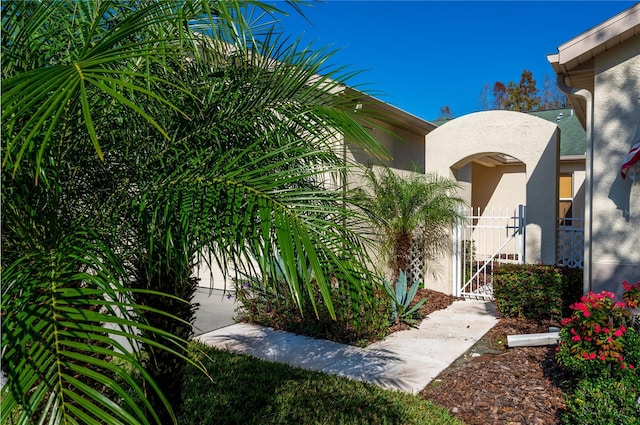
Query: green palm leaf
[
  {"x": 57, "y": 353},
  {"x": 412, "y": 209}
]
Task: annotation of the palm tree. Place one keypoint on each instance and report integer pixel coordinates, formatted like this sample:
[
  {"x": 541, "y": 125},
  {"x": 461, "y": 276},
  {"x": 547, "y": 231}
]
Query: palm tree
[
  {"x": 412, "y": 209},
  {"x": 207, "y": 146}
]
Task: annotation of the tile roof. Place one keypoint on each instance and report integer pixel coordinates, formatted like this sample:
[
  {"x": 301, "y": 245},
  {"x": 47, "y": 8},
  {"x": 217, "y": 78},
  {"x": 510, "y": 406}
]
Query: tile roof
[{"x": 573, "y": 138}]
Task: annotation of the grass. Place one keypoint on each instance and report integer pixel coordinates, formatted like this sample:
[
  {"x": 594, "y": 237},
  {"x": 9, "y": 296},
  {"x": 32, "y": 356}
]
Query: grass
[{"x": 246, "y": 390}]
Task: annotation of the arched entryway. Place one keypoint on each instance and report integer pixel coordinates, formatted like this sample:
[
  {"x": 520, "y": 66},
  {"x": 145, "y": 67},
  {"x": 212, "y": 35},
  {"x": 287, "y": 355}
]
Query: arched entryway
[{"x": 502, "y": 158}]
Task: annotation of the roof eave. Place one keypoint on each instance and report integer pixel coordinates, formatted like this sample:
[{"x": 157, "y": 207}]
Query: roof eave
[{"x": 575, "y": 58}]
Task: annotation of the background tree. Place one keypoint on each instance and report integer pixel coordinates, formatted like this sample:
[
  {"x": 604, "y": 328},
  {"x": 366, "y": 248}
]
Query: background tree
[
  {"x": 412, "y": 209},
  {"x": 522, "y": 96},
  {"x": 499, "y": 95},
  {"x": 445, "y": 113},
  {"x": 552, "y": 97},
  {"x": 149, "y": 147}
]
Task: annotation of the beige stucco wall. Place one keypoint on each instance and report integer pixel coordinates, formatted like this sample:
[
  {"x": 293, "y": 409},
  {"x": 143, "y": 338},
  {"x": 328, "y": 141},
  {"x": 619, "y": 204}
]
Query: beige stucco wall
[
  {"x": 498, "y": 188},
  {"x": 531, "y": 140},
  {"x": 405, "y": 147},
  {"x": 615, "y": 233}
]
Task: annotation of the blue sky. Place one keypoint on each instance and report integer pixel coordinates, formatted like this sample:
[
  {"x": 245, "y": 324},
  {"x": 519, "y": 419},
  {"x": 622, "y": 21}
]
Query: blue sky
[{"x": 423, "y": 55}]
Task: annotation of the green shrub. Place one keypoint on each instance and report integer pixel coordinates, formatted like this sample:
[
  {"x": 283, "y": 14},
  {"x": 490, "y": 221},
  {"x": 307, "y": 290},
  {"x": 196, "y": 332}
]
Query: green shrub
[
  {"x": 528, "y": 290},
  {"x": 535, "y": 291},
  {"x": 632, "y": 347},
  {"x": 360, "y": 316},
  {"x": 601, "y": 351},
  {"x": 604, "y": 401}
]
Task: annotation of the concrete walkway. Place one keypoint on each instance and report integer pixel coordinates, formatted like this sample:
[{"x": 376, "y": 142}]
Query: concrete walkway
[
  {"x": 216, "y": 309},
  {"x": 406, "y": 360}
]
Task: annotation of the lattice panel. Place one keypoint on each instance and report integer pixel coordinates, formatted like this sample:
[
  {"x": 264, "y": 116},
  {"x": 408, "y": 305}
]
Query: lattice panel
[
  {"x": 416, "y": 267},
  {"x": 571, "y": 247}
]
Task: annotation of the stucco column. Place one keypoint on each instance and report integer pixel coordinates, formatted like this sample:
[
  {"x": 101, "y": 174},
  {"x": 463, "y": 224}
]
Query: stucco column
[{"x": 542, "y": 202}]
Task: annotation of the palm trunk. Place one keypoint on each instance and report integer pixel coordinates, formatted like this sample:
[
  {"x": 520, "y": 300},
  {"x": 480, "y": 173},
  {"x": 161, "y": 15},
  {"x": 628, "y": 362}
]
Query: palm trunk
[
  {"x": 166, "y": 369},
  {"x": 402, "y": 254}
]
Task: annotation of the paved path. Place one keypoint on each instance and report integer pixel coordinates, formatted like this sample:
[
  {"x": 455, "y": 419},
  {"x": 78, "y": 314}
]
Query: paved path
[{"x": 406, "y": 360}]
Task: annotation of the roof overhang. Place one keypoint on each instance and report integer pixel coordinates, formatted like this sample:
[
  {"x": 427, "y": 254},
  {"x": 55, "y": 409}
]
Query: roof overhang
[
  {"x": 390, "y": 114},
  {"x": 575, "y": 59}
]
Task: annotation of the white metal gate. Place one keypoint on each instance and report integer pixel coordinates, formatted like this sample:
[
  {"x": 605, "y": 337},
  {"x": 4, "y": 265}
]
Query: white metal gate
[{"x": 484, "y": 241}]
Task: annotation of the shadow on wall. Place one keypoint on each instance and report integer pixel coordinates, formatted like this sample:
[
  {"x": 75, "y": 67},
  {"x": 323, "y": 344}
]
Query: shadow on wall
[
  {"x": 620, "y": 125},
  {"x": 615, "y": 254},
  {"x": 491, "y": 178},
  {"x": 578, "y": 199},
  {"x": 611, "y": 278},
  {"x": 622, "y": 197}
]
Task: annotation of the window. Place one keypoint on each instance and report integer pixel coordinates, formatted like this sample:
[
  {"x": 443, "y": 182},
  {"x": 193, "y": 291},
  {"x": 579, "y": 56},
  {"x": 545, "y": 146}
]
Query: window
[{"x": 565, "y": 203}]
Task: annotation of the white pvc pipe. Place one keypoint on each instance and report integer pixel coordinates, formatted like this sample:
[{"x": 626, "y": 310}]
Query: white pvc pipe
[{"x": 533, "y": 340}]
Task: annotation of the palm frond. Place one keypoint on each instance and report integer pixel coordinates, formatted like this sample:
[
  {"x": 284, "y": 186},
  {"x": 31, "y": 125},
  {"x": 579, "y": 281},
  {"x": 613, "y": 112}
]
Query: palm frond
[
  {"x": 410, "y": 209},
  {"x": 68, "y": 330},
  {"x": 249, "y": 206}
]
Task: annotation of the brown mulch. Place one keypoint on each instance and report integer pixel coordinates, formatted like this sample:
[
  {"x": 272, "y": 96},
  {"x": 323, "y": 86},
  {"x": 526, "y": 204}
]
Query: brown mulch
[{"x": 492, "y": 384}]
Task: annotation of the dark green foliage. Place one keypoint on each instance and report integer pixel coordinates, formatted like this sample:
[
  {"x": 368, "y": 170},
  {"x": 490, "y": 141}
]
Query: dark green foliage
[
  {"x": 164, "y": 367},
  {"x": 632, "y": 347},
  {"x": 572, "y": 287},
  {"x": 122, "y": 118},
  {"x": 538, "y": 292},
  {"x": 360, "y": 315},
  {"x": 56, "y": 300},
  {"x": 604, "y": 401}
]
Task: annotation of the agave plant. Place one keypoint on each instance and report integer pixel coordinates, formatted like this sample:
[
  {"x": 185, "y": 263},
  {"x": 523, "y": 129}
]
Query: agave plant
[{"x": 402, "y": 296}]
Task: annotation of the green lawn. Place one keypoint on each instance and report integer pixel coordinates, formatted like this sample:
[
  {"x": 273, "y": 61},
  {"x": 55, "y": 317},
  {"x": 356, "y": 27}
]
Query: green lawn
[{"x": 246, "y": 390}]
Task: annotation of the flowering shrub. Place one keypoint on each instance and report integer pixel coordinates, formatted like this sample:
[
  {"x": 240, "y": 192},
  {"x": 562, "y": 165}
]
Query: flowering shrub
[
  {"x": 601, "y": 349},
  {"x": 594, "y": 334},
  {"x": 632, "y": 294}
]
